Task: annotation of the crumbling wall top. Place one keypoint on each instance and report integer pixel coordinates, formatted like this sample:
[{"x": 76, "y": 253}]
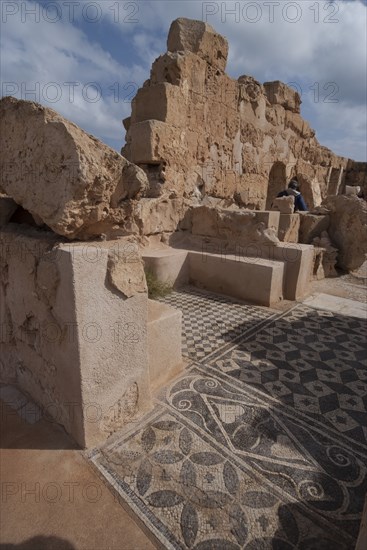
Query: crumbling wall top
[{"x": 200, "y": 38}]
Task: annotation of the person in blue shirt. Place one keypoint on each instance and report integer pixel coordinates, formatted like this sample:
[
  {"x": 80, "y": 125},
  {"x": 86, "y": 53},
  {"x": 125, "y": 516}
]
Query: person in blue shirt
[{"x": 293, "y": 191}]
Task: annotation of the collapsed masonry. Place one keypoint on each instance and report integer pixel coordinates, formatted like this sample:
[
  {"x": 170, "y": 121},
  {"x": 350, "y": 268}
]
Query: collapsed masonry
[{"x": 205, "y": 156}]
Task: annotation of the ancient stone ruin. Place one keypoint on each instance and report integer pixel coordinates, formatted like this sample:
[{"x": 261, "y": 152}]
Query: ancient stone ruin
[{"x": 191, "y": 198}]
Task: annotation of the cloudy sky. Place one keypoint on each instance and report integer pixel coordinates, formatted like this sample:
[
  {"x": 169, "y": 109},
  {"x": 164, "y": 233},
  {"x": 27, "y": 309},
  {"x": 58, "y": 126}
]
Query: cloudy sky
[{"x": 86, "y": 59}]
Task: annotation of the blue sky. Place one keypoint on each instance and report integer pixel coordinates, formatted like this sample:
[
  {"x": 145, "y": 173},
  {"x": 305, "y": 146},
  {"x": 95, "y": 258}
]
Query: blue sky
[{"x": 86, "y": 59}]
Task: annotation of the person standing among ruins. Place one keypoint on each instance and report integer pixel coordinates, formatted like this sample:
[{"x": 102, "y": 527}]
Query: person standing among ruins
[{"x": 293, "y": 191}]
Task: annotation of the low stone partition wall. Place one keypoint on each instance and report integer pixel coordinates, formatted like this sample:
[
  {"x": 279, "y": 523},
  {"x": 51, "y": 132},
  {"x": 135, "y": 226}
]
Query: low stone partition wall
[
  {"x": 250, "y": 279},
  {"x": 164, "y": 343},
  {"x": 259, "y": 273},
  {"x": 168, "y": 265},
  {"x": 74, "y": 329}
]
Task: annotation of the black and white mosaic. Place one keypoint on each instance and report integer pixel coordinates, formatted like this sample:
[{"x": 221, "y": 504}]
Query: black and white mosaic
[
  {"x": 262, "y": 446},
  {"x": 210, "y": 321}
]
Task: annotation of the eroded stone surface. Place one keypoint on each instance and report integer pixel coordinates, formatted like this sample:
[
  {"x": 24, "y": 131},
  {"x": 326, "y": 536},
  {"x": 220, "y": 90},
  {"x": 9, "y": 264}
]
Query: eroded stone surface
[
  {"x": 348, "y": 230},
  {"x": 311, "y": 226},
  {"x": 200, "y": 38},
  {"x": 63, "y": 176},
  {"x": 126, "y": 274},
  {"x": 209, "y": 135},
  {"x": 285, "y": 205},
  {"x": 240, "y": 225}
]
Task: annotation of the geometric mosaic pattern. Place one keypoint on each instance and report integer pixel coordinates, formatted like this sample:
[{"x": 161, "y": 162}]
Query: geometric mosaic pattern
[
  {"x": 261, "y": 446},
  {"x": 313, "y": 361},
  {"x": 210, "y": 320}
]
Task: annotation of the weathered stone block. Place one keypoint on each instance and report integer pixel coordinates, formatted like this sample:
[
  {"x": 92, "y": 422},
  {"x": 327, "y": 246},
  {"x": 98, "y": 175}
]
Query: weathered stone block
[
  {"x": 185, "y": 70},
  {"x": 153, "y": 141},
  {"x": 64, "y": 176},
  {"x": 69, "y": 339},
  {"x": 279, "y": 93},
  {"x": 164, "y": 343},
  {"x": 252, "y": 279},
  {"x": 161, "y": 215},
  {"x": 348, "y": 230},
  {"x": 285, "y": 205},
  {"x": 312, "y": 226},
  {"x": 270, "y": 219},
  {"x": 235, "y": 225},
  {"x": 163, "y": 102},
  {"x": 289, "y": 228},
  {"x": 198, "y": 37}
]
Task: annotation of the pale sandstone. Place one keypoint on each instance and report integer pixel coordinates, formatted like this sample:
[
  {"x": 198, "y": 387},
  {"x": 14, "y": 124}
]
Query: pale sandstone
[
  {"x": 241, "y": 226},
  {"x": 285, "y": 205},
  {"x": 214, "y": 136},
  {"x": 69, "y": 339},
  {"x": 63, "y": 176},
  {"x": 200, "y": 38},
  {"x": 311, "y": 226},
  {"x": 289, "y": 225},
  {"x": 126, "y": 274},
  {"x": 325, "y": 257},
  {"x": 348, "y": 230}
]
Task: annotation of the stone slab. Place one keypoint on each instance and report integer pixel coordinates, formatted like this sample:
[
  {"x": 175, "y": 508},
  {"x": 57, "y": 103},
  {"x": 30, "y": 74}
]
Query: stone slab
[
  {"x": 251, "y": 279},
  {"x": 164, "y": 343},
  {"x": 168, "y": 265},
  {"x": 289, "y": 228},
  {"x": 336, "y": 304}
]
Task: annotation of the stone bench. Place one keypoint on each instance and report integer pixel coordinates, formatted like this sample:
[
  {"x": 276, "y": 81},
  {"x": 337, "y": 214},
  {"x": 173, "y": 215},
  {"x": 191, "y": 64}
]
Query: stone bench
[
  {"x": 252, "y": 279},
  {"x": 274, "y": 273}
]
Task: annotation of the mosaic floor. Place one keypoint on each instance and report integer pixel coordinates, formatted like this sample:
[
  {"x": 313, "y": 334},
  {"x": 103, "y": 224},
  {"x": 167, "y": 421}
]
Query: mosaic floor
[{"x": 262, "y": 443}]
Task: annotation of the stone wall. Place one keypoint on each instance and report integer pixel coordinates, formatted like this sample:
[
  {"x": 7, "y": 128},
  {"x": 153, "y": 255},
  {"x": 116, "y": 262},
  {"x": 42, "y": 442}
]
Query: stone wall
[
  {"x": 74, "y": 329},
  {"x": 198, "y": 132}
]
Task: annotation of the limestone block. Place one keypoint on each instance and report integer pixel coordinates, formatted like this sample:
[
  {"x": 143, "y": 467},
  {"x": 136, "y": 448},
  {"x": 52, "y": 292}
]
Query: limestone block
[
  {"x": 285, "y": 205},
  {"x": 126, "y": 123},
  {"x": 252, "y": 279},
  {"x": 168, "y": 265},
  {"x": 163, "y": 101},
  {"x": 298, "y": 259},
  {"x": 198, "y": 37},
  {"x": 348, "y": 230},
  {"x": 61, "y": 174},
  {"x": 249, "y": 88},
  {"x": 312, "y": 226},
  {"x": 126, "y": 274},
  {"x": 270, "y": 218},
  {"x": 161, "y": 215},
  {"x": 289, "y": 227},
  {"x": 154, "y": 141},
  {"x": 74, "y": 344},
  {"x": 185, "y": 70},
  {"x": 164, "y": 343},
  {"x": 325, "y": 257},
  {"x": 279, "y": 93},
  {"x": 7, "y": 209},
  {"x": 294, "y": 121},
  {"x": 238, "y": 225}
]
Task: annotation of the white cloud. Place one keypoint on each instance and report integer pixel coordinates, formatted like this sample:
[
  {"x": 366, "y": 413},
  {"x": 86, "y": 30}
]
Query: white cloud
[{"x": 41, "y": 60}]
